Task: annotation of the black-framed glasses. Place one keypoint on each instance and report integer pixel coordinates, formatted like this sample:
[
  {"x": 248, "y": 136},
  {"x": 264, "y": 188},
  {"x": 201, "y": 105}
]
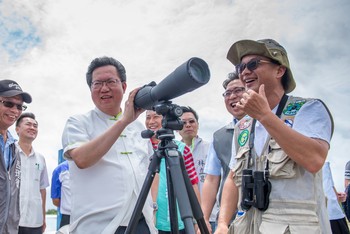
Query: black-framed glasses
[
  {"x": 236, "y": 91},
  {"x": 251, "y": 65},
  {"x": 9, "y": 104},
  {"x": 97, "y": 84}
]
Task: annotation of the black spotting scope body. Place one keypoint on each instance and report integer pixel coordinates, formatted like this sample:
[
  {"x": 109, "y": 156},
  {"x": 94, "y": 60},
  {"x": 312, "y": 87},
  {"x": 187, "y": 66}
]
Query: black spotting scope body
[{"x": 187, "y": 77}]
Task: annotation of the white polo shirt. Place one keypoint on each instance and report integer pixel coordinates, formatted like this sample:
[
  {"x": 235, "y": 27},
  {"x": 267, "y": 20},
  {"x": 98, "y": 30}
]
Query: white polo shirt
[
  {"x": 33, "y": 178},
  {"x": 109, "y": 189},
  {"x": 334, "y": 210}
]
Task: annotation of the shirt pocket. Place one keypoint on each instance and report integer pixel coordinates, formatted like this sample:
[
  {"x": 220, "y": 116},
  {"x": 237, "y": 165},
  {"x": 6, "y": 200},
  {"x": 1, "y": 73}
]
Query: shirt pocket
[{"x": 281, "y": 166}]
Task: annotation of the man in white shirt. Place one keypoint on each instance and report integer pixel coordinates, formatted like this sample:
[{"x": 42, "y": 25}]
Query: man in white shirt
[
  {"x": 34, "y": 178},
  {"x": 108, "y": 159},
  {"x": 335, "y": 212}
]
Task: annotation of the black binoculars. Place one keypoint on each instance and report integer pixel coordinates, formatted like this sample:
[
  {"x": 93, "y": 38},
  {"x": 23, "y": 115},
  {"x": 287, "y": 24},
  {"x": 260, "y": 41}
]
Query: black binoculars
[{"x": 256, "y": 189}]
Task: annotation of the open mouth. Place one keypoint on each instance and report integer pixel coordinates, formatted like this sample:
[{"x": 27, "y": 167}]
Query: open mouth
[
  {"x": 233, "y": 104},
  {"x": 106, "y": 97},
  {"x": 249, "y": 80}
]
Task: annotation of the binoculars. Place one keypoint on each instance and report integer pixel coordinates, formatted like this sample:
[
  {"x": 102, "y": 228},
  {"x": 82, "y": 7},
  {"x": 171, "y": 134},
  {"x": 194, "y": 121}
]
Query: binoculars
[{"x": 256, "y": 189}]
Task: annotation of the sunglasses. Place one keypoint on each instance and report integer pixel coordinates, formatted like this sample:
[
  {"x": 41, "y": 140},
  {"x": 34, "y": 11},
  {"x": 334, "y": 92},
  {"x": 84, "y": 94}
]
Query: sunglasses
[
  {"x": 9, "y": 104},
  {"x": 251, "y": 65},
  {"x": 191, "y": 121}
]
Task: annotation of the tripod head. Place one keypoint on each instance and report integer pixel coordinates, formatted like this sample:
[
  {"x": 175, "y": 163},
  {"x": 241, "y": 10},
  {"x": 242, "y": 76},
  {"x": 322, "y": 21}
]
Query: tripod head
[{"x": 171, "y": 121}]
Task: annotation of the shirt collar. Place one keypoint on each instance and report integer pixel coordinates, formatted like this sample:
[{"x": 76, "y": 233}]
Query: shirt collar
[
  {"x": 10, "y": 138},
  {"x": 106, "y": 116}
]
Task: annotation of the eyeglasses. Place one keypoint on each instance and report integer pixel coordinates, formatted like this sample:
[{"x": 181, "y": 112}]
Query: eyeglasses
[
  {"x": 237, "y": 91},
  {"x": 191, "y": 121},
  {"x": 97, "y": 84},
  {"x": 9, "y": 104},
  {"x": 251, "y": 65}
]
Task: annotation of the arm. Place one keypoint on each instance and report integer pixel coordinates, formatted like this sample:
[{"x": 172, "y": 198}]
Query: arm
[
  {"x": 310, "y": 153},
  {"x": 209, "y": 192},
  {"x": 56, "y": 201},
  {"x": 228, "y": 206},
  {"x": 346, "y": 183},
  {"x": 91, "y": 152},
  {"x": 56, "y": 187},
  {"x": 43, "y": 199},
  {"x": 347, "y": 175},
  {"x": 196, "y": 191}
]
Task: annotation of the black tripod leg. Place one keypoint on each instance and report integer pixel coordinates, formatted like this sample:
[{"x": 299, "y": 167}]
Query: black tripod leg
[
  {"x": 152, "y": 170},
  {"x": 196, "y": 208},
  {"x": 174, "y": 222},
  {"x": 180, "y": 190}
]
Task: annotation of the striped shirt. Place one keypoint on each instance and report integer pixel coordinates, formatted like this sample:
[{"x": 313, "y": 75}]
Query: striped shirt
[{"x": 189, "y": 163}]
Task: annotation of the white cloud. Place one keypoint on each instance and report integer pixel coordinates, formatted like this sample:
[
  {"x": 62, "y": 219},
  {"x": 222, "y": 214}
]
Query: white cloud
[{"x": 151, "y": 38}]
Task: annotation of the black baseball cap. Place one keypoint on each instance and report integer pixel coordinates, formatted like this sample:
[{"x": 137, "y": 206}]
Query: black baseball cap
[{"x": 10, "y": 88}]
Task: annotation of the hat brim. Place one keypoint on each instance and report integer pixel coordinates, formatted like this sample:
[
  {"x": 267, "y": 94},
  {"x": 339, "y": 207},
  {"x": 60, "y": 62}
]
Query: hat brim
[
  {"x": 246, "y": 47},
  {"x": 10, "y": 93}
]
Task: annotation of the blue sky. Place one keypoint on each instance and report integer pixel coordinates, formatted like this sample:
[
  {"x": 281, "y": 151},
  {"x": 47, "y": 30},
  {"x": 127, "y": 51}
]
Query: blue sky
[
  {"x": 18, "y": 35},
  {"x": 47, "y": 45}
]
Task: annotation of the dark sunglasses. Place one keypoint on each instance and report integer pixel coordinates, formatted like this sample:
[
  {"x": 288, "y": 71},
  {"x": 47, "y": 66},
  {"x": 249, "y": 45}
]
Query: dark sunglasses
[
  {"x": 9, "y": 104},
  {"x": 191, "y": 121},
  {"x": 251, "y": 65}
]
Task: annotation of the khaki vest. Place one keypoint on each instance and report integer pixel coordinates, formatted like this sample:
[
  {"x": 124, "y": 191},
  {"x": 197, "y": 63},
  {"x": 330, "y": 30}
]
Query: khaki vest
[{"x": 297, "y": 201}]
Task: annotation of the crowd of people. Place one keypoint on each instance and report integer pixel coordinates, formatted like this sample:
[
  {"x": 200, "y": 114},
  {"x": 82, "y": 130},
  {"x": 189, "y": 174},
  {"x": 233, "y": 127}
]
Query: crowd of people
[{"x": 264, "y": 172}]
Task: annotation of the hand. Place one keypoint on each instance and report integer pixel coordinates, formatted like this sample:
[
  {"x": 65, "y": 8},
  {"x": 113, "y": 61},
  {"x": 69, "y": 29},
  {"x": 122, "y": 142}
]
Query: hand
[
  {"x": 44, "y": 227},
  {"x": 221, "y": 229},
  {"x": 208, "y": 226},
  {"x": 341, "y": 196},
  {"x": 254, "y": 104},
  {"x": 131, "y": 112}
]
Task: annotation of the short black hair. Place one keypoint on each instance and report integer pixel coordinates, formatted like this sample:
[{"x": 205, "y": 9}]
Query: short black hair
[
  {"x": 25, "y": 115},
  {"x": 104, "y": 61},
  {"x": 230, "y": 77},
  {"x": 189, "y": 109}
]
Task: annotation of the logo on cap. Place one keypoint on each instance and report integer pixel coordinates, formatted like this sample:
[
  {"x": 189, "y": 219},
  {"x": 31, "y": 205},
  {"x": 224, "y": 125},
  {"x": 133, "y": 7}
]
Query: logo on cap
[{"x": 15, "y": 85}]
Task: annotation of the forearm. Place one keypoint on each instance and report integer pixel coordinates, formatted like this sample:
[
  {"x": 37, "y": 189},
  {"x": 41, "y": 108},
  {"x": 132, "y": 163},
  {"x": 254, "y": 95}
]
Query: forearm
[
  {"x": 209, "y": 192},
  {"x": 229, "y": 200},
  {"x": 154, "y": 188},
  {"x": 196, "y": 191},
  {"x": 91, "y": 152},
  {"x": 310, "y": 153},
  {"x": 43, "y": 199}
]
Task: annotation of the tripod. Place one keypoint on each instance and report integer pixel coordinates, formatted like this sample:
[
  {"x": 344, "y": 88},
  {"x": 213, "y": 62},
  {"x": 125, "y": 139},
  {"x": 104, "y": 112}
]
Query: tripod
[{"x": 178, "y": 184}]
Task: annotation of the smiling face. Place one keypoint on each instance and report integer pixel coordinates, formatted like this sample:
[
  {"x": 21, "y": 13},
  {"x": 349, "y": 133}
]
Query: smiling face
[
  {"x": 107, "y": 98},
  {"x": 153, "y": 120},
  {"x": 231, "y": 100},
  {"x": 267, "y": 73},
  {"x": 8, "y": 116},
  {"x": 27, "y": 129}
]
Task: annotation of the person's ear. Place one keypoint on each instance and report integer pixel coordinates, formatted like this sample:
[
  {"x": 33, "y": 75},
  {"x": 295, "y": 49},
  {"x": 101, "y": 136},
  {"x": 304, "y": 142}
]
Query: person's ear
[{"x": 124, "y": 86}]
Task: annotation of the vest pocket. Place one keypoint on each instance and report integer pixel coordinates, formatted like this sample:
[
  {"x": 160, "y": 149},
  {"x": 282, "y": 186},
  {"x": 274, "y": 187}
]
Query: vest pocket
[
  {"x": 242, "y": 224},
  {"x": 281, "y": 166},
  {"x": 289, "y": 220},
  {"x": 240, "y": 165}
]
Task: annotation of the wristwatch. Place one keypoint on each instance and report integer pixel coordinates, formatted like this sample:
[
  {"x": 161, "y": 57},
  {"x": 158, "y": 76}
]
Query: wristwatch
[{"x": 155, "y": 206}]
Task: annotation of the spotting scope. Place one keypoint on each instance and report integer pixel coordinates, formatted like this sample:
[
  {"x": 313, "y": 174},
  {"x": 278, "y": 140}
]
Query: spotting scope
[{"x": 187, "y": 77}]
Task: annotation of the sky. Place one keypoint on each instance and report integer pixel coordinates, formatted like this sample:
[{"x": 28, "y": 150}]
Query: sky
[{"x": 47, "y": 45}]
